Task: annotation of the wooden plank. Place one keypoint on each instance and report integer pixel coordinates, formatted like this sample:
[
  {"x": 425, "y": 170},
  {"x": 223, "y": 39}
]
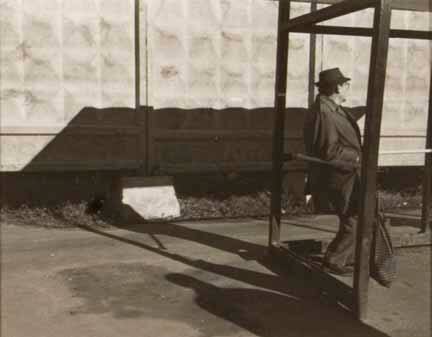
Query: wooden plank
[
  {"x": 278, "y": 126},
  {"x": 375, "y": 97},
  {"x": 427, "y": 177},
  {"x": 331, "y": 12}
]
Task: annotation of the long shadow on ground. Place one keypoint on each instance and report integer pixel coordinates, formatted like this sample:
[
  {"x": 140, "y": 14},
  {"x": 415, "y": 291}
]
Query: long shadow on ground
[{"x": 278, "y": 305}]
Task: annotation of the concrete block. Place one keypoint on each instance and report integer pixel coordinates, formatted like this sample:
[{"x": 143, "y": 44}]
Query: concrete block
[
  {"x": 234, "y": 46},
  {"x": 262, "y": 85},
  {"x": 80, "y": 69},
  {"x": 204, "y": 12},
  {"x": 264, "y": 49},
  {"x": 419, "y": 20},
  {"x": 234, "y": 84},
  {"x": 40, "y": 30},
  {"x": 364, "y": 18},
  {"x": 203, "y": 47},
  {"x": 116, "y": 10},
  {"x": 203, "y": 82},
  {"x": 80, "y": 8},
  {"x": 264, "y": 15},
  {"x": 415, "y": 114},
  {"x": 166, "y": 11},
  {"x": 10, "y": 24},
  {"x": 150, "y": 197},
  {"x": 45, "y": 107},
  {"x": 11, "y": 106},
  {"x": 399, "y": 19},
  {"x": 338, "y": 52},
  {"x": 235, "y": 13},
  {"x": 392, "y": 115}
]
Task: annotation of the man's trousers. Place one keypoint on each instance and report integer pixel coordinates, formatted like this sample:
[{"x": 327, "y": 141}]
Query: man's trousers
[{"x": 341, "y": 251}]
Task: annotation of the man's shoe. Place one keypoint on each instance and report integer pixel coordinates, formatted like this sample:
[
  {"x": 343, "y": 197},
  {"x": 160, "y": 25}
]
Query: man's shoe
[{"x": 338, "y": 270}]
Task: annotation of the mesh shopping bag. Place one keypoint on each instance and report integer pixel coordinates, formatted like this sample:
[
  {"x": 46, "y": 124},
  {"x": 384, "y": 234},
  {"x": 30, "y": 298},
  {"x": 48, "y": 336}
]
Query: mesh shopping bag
[{"x": 383, "y": 259}]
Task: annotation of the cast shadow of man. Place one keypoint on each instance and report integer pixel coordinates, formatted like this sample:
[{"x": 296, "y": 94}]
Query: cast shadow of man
[{"x": 272, "y": 314}]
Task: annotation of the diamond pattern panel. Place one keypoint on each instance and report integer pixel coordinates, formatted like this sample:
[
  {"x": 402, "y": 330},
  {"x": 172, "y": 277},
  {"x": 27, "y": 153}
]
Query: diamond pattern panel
[
  {"x": 63, "y": 55},
  {"x": 60, "y": 56}
]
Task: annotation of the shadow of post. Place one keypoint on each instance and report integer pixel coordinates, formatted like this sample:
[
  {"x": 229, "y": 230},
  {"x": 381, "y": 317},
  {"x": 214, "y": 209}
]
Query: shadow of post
[{"x": 270, "y": 314}]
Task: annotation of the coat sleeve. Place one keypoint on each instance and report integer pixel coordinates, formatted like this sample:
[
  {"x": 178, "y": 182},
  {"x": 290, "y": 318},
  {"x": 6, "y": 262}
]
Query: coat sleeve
[
  {"x": 356, "y": 112},
  {"x": 327, "y": 141},
  {"x": 310, "y": 131}
]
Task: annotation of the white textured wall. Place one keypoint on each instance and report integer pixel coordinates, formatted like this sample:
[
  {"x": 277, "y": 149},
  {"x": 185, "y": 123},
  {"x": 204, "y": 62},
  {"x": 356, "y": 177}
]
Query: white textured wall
[
  {"x": 56, "y": 58},
  {"x": 60, "y": 56},
  {"x": 220, "y": 53}
]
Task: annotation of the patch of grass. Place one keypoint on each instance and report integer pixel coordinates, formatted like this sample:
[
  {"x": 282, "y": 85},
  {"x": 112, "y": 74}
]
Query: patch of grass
[
  {"x": 400, "y": 200},
  {"x": 202, "y": 206},
  {"x": 67, "y": 215},
  {"x": 220, "y": 205}
]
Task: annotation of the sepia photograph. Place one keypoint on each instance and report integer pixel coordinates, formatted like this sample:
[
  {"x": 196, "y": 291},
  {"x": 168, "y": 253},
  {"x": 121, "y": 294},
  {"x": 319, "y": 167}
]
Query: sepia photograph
[{"x": 215, "y": 168}]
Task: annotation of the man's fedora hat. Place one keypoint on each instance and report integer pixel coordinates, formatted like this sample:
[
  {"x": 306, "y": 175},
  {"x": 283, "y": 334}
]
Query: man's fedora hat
[{"x": 331, "y": 76}]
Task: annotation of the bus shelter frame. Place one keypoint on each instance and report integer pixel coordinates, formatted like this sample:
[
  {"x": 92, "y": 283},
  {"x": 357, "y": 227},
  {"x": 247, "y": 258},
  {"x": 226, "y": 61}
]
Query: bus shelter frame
[{"x": 356, "y": 297}]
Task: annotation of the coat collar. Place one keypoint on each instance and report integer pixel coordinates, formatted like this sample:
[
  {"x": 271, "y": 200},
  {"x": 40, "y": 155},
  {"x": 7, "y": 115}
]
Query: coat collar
[{"x": 334, "y": 107}]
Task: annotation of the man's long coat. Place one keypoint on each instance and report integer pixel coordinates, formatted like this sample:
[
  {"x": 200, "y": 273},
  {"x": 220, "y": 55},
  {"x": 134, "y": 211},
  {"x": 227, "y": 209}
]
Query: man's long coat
[{"x": 331, "y": 133}]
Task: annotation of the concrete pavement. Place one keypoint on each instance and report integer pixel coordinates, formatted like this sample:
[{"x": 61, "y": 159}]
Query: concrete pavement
[{"x": 210, "y": 278}]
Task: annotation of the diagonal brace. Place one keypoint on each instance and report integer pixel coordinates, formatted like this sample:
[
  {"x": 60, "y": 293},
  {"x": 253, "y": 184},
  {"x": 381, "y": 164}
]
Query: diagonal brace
[{"x": 331, "y": 12}]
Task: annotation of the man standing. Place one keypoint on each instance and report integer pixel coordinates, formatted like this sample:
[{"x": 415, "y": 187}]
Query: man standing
[{"x": 332, "y": 134}]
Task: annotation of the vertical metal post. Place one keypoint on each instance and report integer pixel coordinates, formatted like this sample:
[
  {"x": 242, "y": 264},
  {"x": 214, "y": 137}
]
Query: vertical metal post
[
  {"x": 278, "y": 127},
  {"x": 137, "y": 60},
  {"x": 375, "y": 97},
  {"x": 138, "y": 117},
  {"x": 312, "y": 60},
  {"x": 427, "y": 178},
  {"x": 142, "y": 115},
  {"x": 148, "y": 108}
]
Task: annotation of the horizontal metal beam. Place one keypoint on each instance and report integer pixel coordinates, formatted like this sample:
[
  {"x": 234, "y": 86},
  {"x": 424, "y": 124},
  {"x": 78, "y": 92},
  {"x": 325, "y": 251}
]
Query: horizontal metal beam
[
  {"x": 411, "y": 34},
  {"x": 408, "y": 5},
  {"x": 339, "y": 9},
  {"x": 361, "y": 31},
  {"x": 406, "y": 151}
]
